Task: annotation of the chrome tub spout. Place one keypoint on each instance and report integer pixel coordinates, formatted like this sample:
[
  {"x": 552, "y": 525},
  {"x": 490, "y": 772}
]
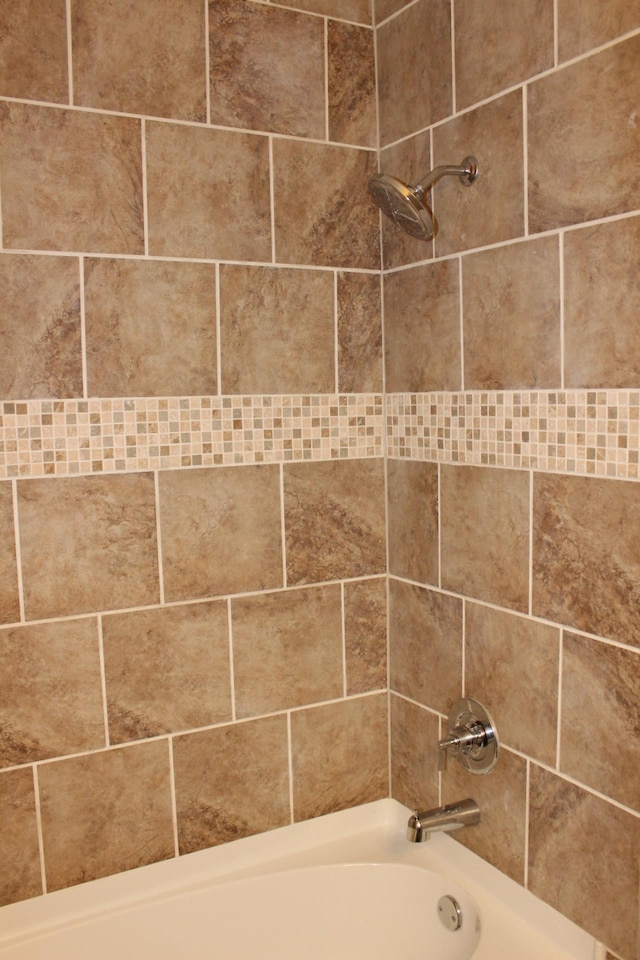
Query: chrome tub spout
[{"x": 463, "y": 813}]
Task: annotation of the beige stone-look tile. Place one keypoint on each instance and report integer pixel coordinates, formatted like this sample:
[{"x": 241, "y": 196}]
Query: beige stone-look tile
[
  {"x": 563, "y": 820},
  {"x": 221, "y": 531},
  {"x": 33, "y": 62},
  {"x": 491, "y": 209},
  {"x": 339, "y": 756},
  {"x": 71, "y": 180},
  {"x": 266, "y": 69},
  {"x": 414, "y": 755},
  {"x": 365, "y": 630},
  {"x": 104, "y": 813},
  {"x": 386, "y": 8},
  {"x": 276, "y": 330},
  {"x": 166, "y": 670},
  {"x": 607, "y": 678},
  {"x": 602, "y": 305},
  {"x": 499, "y": 44},
  {"x": 9, "y": 596},
  {"x": 323, "y": 214},
  {"x": 425, "y": 645},
  {"x": 208, "y": 193},
  {"x": 351, "y": 84},
  {"x": 410, "y": 162},
  {"x": 586, "y": 555},
  {"x": 358, "y": 11},
  {"x": 484, "y": 516},
  {"x": 412, "y": 510},
  {"x": 150, "y": 328},
  {"x": 52, "y": 691},
  {"x": 287, "y": 649},
  {"x": 20, "y": 878},
  {"x": 584, "y": 110},
  {"x": 231, "y": 782},
  {"x": 511, "y": 299},
  {"x": 414, "y": 89},
  {"x": 585, "y": 24},
  {"x": 146, "y": 59},
  {"x": 88, "y": 544},
  {"x": 422, "y": 328},
  {"x": 359, "y": 333},
  {"x": 512, "y": 666},
  {"x": 334, "y": 520}
]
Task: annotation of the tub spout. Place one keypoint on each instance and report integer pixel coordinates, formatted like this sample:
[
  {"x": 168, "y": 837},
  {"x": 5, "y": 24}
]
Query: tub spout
[{"x": 462, "y": 813}]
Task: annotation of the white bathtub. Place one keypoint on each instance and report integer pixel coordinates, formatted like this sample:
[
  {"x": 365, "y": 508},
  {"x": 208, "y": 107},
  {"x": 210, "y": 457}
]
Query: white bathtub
[{"x": 344, "y": 886}]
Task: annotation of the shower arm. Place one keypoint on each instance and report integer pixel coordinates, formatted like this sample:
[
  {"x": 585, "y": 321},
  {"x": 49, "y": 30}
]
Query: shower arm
[{"x": 467, "y": 171}]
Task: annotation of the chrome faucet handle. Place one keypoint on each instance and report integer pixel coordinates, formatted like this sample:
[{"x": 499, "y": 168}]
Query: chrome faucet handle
[
  {"x": 459, "y": 739},
  {"x": 472, "y": 738}
]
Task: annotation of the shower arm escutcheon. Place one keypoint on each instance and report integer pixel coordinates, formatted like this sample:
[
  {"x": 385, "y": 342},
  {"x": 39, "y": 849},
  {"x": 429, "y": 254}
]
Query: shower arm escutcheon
[{"x": 467, "y": 171}]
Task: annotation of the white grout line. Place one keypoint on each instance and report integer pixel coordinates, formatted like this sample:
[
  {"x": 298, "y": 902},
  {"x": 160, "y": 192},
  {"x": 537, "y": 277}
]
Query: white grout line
[
  {"x": 145, "y": 198},
  {"x": 463, "y": 658},
  {"x": 232, "y": 672},
  {"x": 525, "y": 159},
  {"x": 559, "y": 717},
  {"x": 16, "y": 534},
  {"x": 218, "y": 308},
  {"x": 156, "y": 488},
  {"x": 532, "y": 478},
  {"x": 174, "y": 803},
  {"x": 556, "y": 37},
  {"x": 326, "y": 80},
  {"x": 36, "y": 792},
  {"x": 290, "y": 766},
  {"x": 461, "y": 309},
  {"x": 454, "y": 96},
  {"x": 343, "y": 628},
  {"x": 272, "y": 201},
  {"x": 283, "y": 530},
  {"x": 83, "y": 327},
  {"x": 336, "y": 334},
  {"x": 69, "y": 52},
  {"x": 207, "y": 62},
  {"x": 526, "y": 823},
  {"x": 103, "y": 681},
  {"x": 562, "y": 308},
  {"x": 439, "y": 521}
]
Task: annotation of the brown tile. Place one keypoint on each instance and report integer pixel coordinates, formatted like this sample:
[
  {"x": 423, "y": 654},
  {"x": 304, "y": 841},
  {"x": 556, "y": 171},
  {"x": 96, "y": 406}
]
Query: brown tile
[
  {"x": 511, "y": 666},
  {"x": 19, "y": 852},
  {"x": 52, "y": 691},
  {"x": 351, "y": 84},
  {"x": 585, "y": 24},
  {"x": 71, "y": 180},
  {"x": 492, "y": 209},
  {"x": 583, "y": 111},
  {"x": 602, "y": 305},
  {"x": 150, "y": 328},
  {"x": 276, "y": 330},
  {"x": 121, "y": 59},
  {"x": 412, "y": 510},
  {"x": 385, "y": 8},
  {"x": 335, "y": 225},
  {"x": 563, "y": 821},
  {"x": 425, "y": 645},
  {"x": 414, "y": 755},
  {"x": 422, "y": 328},
  {"x": 339, "y": 756},
  {"x": 9, "y": 597},
  {"x": 287, "y": 649},
  {"x": 166, "y": 670},
  {"x": 356, "y": 10},
  {"x": 511, "y": 299},
  {"x": 499, "y": 44},
  {"x": 365, "y": 628},
  {"x": 33, "y": 61},
  {"x": 221, "y": 531},
  {"x": 606, "y": 678},
  {"x": 334, "y": 520},
  {"x": 219, "y": 795},
  {"x": 359, "y": 333},
  {"x": 484, "y": 518},
  {"x": 88, "y": 544},
  {"x": 266, "y": 69},
  {"x": 586, "y": 557},
  {"x": 204, "y": 208},
  {"x": 414, "y": 90},
  {"x": 409, "y": 161}
]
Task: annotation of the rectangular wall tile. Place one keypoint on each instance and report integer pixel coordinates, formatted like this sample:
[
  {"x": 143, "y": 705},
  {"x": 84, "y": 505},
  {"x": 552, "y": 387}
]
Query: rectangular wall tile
[
  {"x": 358, "y": 11},
  {"x": 351, "y": 84},
  {"x": 359, "y": 333},
  {"x": 412, "y": 517},
  {"x": 33, "y": 62},
  {"x": 365, "y": 635},
  {"x": 414, "y": 761},
  {"x": 19, "y": 850},
  {"x": 585, "y": 24}
]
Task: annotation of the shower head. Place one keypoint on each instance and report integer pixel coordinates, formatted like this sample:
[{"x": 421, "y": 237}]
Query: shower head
[{"x": 407, "y": 206}]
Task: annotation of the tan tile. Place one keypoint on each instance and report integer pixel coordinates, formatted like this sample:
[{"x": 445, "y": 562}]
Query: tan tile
[
  {"x": 585, "y": 24},
  {"x": 71, "y": 180},
  {"x": 9, "y": 598},
  {"x": 266, "y": 69},
  {"x": 586, "y": 556},
  {"x": 356, "y": 10},
  {"x": 276, "y": 330},
  {"x": 204, "y": 208},
  {"x": 414, "y": 755},
  {"x": 105, "y": 813},
  {"x": 220, "y": 531},
  {"x": 412, "y": 510},
  {"x": 121, "y": 60},
  {"x": 166, "y": 670},
  {"x": 563, "y": 821},
  {"x": 365, "y": 628},
  {"x": 150, "y": 328},
  {"x": 52, "y": 691},
  {"x": 19, "y": 852},
  {"x": 88, "y": 544},
  {"x": 583, "y": 111},
  {"x": 339, "y": 756},
  {"x": 359, "y": 333},
  {"x": 334, "y": 520},
  {"x": 409, "y": 161},
  {"x": 602, "y": 305},
  {"x": 287, "y": 649},
  {"x": 425, "y": 645},
  {"x": 511, "y": 299},
  {"x": 422, "y": 328},
  {"x": 351, "y": 84},
  {"x": 219, "y": 795},
  {"x": 33, "y": 60},
  {"x": 335, "y": 225},
  {"x": 385, "y": 8},
  {"x": 511, "y": 666},
  {"x": 499, "y": 44}
]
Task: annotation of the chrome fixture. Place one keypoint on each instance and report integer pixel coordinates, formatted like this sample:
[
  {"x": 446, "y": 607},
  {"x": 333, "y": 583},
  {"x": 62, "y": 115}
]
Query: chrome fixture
[
  {"x": 463, "y": 813},
  {"x": 407, "y": 206},
  {"x": 450, "y": 913},
  {"x": 472, "y": 739}
]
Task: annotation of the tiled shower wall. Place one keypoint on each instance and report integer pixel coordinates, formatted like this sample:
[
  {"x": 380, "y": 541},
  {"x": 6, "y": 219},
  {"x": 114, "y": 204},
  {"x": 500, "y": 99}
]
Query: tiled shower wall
[{"x": 513, "y": 394}]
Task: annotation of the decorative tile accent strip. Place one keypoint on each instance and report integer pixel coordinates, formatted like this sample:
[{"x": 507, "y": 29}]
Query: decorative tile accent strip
[
  {"x": 572, "y": 431},
  {"x": 66, "y": 437}
]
